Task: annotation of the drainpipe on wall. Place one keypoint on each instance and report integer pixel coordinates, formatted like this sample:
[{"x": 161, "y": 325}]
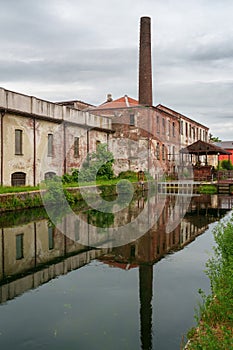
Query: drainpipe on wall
[
  {"x": 2, "y": 143},
  {"x": 35, "y": 245},
  {"x": 34, "y": 151},
  {"x": 88, "y": 140},
  {"x": 3, "y": 253},
  {"x": 64, "y": 148}
]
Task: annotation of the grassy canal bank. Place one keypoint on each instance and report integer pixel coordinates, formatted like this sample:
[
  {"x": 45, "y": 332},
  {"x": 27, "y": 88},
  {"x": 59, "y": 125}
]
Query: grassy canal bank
[
  {"x": 55, "y": 191},
  {"x": 25, "y": 197},
  {"x": 214, "y": 330}
]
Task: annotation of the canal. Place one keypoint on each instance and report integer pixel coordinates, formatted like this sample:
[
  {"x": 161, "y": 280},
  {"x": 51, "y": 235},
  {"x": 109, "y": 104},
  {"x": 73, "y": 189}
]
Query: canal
[{"x": 58, "y": 293}]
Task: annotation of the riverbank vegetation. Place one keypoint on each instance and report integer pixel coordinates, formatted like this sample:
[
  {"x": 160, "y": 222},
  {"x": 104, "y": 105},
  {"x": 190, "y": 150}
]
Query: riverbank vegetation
[
  {"x": 208, "y": 189},
  {"x": 17, "y": 189},
  {"x": 215, "y": 319},
  {"x": 61, "y": 190}
]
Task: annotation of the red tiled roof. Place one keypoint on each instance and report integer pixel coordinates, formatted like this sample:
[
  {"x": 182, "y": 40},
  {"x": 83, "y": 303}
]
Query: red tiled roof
[{"x": 121, "y": 102}]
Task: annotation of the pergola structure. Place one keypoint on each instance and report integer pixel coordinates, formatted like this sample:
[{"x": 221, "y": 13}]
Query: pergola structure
[{"x": 198, "y": 149}]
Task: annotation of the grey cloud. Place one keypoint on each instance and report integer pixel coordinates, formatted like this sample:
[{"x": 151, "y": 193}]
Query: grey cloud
[
  {"x": 64, "y": 49},
  {"x": 83, "y": 65}
]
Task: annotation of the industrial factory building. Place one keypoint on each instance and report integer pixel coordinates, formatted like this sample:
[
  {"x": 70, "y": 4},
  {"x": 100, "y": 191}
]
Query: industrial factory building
[{"x": 39, "y": 139}]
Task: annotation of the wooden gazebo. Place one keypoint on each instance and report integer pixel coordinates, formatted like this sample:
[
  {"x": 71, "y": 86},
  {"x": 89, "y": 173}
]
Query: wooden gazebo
[{"x": 202, "y": 170}]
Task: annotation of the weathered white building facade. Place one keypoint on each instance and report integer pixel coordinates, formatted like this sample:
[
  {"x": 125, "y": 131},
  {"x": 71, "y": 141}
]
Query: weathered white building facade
[{"x": 39, "y": 139}]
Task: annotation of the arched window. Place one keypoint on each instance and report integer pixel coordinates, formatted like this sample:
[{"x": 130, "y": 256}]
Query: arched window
[
  {"x": 49, "y": 175},
  {"x": 18, "y": 179}
]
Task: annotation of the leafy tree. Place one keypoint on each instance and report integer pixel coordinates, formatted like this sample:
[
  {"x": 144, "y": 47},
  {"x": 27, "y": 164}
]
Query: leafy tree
[
  {"x": 214, "y": 138},
  {"x": 97, "y": 165},
  {"x": 226, "y": 164}
]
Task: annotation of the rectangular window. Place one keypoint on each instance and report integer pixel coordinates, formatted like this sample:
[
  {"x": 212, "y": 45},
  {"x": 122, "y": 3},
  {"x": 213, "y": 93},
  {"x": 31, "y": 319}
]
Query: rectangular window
[
  {"x": 157, "y": 151},
  {"x": 97, "y": 143},
  {"x": 132, "y": 251},
  {"x": 163, "y": 152},
  {"x": 19, "y": 246},
  {"x": 186, "y": 129},
  {"x": 190, "y": 130},
  {"x": 173, "y": 152},
  {"x": 173, "y": 129},
  {"x": 18, "y": 142},
  {"x": 76, "y": 147},
  {"x": 158, "y": 125},
  {"x": 131, "y": 119},
  {"x": 164, "y": 127},
  {"x": 169, "y": 153},
  {"x": 77, "y": 230},
  {"x": 50, "y": 145},
  {"x": 181, "y": 127},
  {"x": 169, "y": 127},
  {"x": 51, "y": 237}
]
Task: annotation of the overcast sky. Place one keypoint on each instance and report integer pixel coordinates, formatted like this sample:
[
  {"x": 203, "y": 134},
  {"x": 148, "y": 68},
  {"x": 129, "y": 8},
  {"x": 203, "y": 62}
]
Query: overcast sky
[{"x": 74, "y": 49}]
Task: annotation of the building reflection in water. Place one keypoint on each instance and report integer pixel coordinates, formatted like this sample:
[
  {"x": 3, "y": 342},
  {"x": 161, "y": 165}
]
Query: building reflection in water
[{"x": 33, "y": 251}]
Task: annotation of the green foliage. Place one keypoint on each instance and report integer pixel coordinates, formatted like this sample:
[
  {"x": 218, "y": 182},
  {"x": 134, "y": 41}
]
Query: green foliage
[
  {"x": 56, "y": 194},
  {"x": 21, "y": 217},
  {"x": 129, "y": 175},
  {"x": 14, "y": 203},
  {"x": 98, "y": 165},
  {"x": 216, "y": 314},
  {"x": 100, "y": 219},
  {"x": 214, "y": 138},
  {"x": 227, "y": 165},
  {"x": 208, "y": 189},
  {"x": 71, "y": 178},
  {"x": 14, "y": 189}
]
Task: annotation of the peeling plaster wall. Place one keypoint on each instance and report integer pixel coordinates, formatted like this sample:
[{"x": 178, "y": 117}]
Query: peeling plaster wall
[
  {"x": 71, "y": 132},
  {"x": 64, "y": 123},
  {"x": 44, "y": 162},
  {"x": 17, "y": 163},
  {"x": 138, "y": 130}
]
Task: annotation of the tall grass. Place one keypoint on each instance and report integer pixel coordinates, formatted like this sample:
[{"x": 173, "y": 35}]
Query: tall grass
[{"x": 215, "y": 323}]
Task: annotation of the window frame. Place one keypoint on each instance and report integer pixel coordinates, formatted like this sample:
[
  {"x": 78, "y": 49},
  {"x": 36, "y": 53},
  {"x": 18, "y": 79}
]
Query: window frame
[
  {"x": 132, "y": 119},
  {"x": 50, "y": 145},
  {"x": 76, "y": 147},
  {"x": 163, "y": 152},
  {"x": 19, "y": 238},
  {"x": 158, "y": 151},
  {"x": 18, "y": 142}
]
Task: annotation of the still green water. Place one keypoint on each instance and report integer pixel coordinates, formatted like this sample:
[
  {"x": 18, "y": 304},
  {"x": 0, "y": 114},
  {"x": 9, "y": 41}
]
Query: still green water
[{"x": 56, "y": 293}]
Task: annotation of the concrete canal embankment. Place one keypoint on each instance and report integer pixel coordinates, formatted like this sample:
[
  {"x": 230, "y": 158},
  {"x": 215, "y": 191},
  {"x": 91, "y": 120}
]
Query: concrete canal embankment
[{"x": 33, "y": 199}]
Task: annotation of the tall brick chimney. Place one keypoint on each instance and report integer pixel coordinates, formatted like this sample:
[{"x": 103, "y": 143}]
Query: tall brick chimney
[{"x": 145, "y": 70}]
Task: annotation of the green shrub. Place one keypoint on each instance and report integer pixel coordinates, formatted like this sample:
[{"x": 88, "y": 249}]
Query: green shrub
[
  {"x": 208, "y": 189},
  {"x": 215, "y": 322},
  {"x": 71, "y": 178},
  {"x": 129, "y": 174},
  {"x": 227, "y": 165},
  {"x": 98, "y": 165}
]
